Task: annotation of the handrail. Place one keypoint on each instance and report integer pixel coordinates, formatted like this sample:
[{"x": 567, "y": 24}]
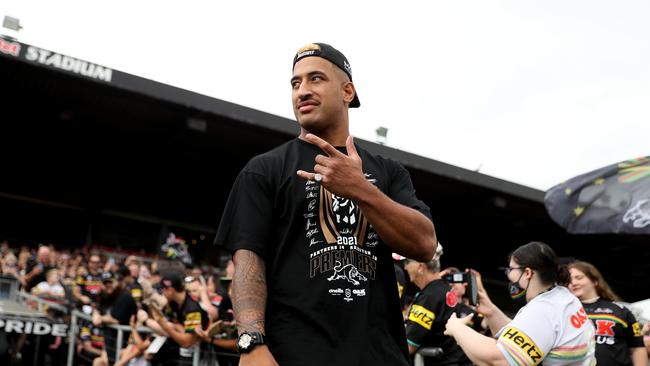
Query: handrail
[{"x": 50, "y": 304}]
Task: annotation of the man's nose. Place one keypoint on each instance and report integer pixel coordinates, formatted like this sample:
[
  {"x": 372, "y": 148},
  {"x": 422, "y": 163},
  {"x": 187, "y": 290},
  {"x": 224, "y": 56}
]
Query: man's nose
[{"x": 304, "y": 91}]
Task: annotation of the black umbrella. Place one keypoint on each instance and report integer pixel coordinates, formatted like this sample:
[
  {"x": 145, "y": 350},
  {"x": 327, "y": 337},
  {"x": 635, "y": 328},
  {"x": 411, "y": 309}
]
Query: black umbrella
[{"x": 613, "y": 199}]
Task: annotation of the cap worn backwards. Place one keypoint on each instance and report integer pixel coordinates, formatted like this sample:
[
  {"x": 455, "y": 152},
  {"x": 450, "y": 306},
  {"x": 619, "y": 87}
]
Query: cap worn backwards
[{"x": 332, "y": 55}]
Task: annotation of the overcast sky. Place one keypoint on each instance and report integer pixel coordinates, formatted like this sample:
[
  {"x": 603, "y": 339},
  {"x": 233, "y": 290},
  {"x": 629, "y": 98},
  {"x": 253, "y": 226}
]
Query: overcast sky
[{"x": 533, "y": 92}]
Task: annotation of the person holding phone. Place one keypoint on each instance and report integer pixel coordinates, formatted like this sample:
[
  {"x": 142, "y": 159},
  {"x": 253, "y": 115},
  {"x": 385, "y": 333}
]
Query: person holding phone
[
  {"x": 432, "y": 306},
  {"x": 552, "y": 327}
]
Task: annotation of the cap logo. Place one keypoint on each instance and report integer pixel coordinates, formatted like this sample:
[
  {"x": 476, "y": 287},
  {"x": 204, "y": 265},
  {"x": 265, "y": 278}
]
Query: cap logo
[
  {"x": 307, "y": 50},
  {"x": 309, "y": 47},
  {"x": 167, "y": 283},
  {"x": 347, "y": 66}
]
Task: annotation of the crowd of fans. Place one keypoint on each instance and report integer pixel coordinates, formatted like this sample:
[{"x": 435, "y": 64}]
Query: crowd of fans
[{"x": 170, "y": 307}]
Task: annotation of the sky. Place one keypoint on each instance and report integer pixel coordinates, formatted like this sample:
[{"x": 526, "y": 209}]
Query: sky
[{"x": 533, "y": 92}]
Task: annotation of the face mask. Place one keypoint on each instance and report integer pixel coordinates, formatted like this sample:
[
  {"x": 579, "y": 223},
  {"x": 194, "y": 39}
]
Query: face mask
[{"x": 517, "y": 293}]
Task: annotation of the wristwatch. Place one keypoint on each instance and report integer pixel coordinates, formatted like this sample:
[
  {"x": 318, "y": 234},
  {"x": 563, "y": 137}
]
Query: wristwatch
[{"x": 248, "y": 340}]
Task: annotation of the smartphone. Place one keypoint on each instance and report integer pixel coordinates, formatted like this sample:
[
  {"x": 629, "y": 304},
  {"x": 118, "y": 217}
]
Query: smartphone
[{"x": 457, "y": 277}]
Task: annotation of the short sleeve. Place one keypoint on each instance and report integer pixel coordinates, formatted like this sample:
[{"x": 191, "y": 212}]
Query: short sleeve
[
  {"x": 529, "y": 337},
  {"x": 633, "y": 336},
  {"x": 401, "y": 190},
  {"x": 420, "y": 319},
  {"x": 123, "y": 308},
  {"x": 247, "y": 218}
]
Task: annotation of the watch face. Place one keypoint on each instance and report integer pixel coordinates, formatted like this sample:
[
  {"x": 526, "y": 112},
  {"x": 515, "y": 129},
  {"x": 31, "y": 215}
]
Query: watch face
[{"x": 244, "y": 341}]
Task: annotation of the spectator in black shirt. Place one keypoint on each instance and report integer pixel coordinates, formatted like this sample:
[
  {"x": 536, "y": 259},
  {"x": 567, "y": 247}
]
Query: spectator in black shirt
[
  {"x": 89, "y": 286},
  {"x": 430, "y": 310},
  {"x": 36, "y": 269},
  {"x": 119, "y": 306},
  {"x": 187, "y": 312}
]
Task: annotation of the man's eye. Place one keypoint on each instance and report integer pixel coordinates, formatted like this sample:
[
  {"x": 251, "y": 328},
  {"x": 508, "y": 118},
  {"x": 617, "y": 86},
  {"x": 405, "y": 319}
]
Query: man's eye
[{"x": 317, "y": 77}]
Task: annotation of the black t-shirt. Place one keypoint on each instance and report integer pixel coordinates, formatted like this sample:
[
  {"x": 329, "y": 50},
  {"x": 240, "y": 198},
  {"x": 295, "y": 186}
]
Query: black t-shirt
[
  {"x": 617, "y": 330},
  {"x": 332, "y": 294},
  {"x": 90, "y": 285},
  {"x": 426, "y": 322},
  {"x": 39, "y": 277},
  {"x": 121, "y": 307},
  {"x": 190, "y": 314},
  {"x": 401, "y": 283},
  {"x": 136, "y": 291}
]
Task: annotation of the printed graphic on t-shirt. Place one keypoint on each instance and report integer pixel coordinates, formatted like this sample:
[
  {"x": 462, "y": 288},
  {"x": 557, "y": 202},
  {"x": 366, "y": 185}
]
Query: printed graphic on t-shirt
[
  {"x": 341, "y": 241},
  {"x": 519, "y": 347}
]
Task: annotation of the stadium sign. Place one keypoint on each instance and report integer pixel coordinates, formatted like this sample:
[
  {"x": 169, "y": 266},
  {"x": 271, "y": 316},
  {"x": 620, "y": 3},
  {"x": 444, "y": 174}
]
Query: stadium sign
[
  {"x": 56, "y": 60},
  {"x": 35, "y": 327}
]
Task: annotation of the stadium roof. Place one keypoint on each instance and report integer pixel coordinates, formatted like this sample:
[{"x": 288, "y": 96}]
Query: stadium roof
[{"x": 88, "y": 141}]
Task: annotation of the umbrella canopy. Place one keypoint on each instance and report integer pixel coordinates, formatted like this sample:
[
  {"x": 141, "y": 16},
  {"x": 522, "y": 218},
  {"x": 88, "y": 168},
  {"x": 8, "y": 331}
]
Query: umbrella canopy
[{"x": 613, "y": 199}]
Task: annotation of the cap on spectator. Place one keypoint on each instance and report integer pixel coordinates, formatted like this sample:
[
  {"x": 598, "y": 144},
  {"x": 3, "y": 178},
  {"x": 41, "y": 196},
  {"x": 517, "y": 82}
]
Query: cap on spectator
[
  {"x": 172, "y": 279},
  {"x": 108, "y": 276}
]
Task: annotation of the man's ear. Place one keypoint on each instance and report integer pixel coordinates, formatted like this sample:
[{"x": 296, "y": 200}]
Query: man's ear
[{"x": 348, "y": 92}]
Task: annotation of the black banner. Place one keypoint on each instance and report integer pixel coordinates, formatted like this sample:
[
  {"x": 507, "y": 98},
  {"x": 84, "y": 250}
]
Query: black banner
[{"x": 613, "y": 199}]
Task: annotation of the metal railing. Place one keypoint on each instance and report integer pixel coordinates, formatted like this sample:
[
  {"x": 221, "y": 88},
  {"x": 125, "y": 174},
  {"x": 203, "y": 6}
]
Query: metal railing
[
  {"x": 423, "y": 352},
  {"x": 41, "y": 304},
  {"x": 121, "y": 329}
]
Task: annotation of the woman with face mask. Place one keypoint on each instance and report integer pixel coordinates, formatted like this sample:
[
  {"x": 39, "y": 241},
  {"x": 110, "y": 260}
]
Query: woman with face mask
[
  {"x": 552, "y": 327},
  {"x": 618, "y": 334}
]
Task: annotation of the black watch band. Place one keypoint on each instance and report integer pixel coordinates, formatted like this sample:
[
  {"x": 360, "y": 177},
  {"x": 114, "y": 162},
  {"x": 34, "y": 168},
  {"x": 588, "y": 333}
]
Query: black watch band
[{"x": 248, "y": 340}]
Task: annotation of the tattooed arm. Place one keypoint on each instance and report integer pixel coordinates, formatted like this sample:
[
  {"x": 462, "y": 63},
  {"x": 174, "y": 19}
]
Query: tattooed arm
[{"x": 249, "y": 303}]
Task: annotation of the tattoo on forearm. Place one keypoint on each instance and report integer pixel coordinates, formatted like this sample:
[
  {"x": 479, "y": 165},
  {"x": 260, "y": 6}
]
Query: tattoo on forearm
[{"x": 249, "y": 291}]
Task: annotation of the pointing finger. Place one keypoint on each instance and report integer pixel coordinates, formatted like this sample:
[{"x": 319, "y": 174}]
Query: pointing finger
[
  {"x": 352, "y": 150},
  {"x": 322, "y": 144}
]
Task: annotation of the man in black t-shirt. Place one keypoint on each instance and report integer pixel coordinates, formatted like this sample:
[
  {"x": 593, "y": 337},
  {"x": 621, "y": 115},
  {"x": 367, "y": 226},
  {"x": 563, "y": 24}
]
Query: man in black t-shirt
[
  {"x": 312, "y": 225},
  {"x": 88, "y": 287},
  {"x": 117, "y": 306},
  {"x": 37, "y": 268}
]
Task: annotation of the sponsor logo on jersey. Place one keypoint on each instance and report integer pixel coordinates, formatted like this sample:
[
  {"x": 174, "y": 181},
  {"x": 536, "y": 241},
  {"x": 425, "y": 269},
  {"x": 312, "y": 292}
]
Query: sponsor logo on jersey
[
  {"x": 636, "y": 328},
  {"x": 605, "y": 327},
  {"x": 603, "y": 310},
  {"x": 517, "y": 341},
  {"x": 421, "y": 315},
  {"x": 192, "y": 320},
  {"x": 579, "y": 319},
  {"x": 451, "y": 298}
]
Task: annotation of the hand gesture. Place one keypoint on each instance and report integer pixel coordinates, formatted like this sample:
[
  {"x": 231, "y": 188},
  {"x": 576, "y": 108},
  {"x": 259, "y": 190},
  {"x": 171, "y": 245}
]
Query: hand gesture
[
  {"x": 142, "y": 316},
  {"x": 454, "y": 322},
  {"x": 339, "y": 173},
  {"x": 485, "y": 305},
  {"x": 97, "y": 319},
  {"x": 198, "y": 330}
]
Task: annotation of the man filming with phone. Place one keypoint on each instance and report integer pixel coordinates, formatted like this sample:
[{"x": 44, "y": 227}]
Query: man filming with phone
[{"x": 431, "y": 308}]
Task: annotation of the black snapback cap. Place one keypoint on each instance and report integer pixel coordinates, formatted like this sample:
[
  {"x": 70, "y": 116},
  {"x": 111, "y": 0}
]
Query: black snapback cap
[{"x": 332, "y": 55}]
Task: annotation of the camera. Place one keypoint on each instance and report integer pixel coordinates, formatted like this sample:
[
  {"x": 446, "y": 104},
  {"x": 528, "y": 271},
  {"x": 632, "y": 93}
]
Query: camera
[{"x": 464, "y": 277}]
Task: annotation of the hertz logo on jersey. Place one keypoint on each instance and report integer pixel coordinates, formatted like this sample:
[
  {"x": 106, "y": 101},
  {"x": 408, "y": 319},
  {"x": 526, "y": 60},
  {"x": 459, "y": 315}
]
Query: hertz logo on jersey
[
  {"x": 520, "y": 347},
  {"x": 422, "y": 316}
]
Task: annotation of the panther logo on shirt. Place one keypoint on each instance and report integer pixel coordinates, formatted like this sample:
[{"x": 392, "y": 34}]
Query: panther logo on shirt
[{"x": 348, "y": 272}]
